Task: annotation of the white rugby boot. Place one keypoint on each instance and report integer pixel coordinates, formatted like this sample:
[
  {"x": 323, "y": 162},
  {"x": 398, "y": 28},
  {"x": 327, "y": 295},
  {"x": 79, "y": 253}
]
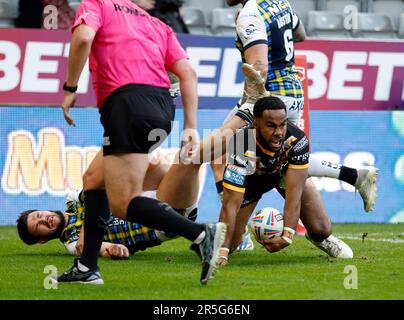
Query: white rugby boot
[
  {"x": 246, "y": 242},
  {"x": 254, "y": 84},
  {"x": 366, "y": 185},
  {"x": 334, "y": 247}
]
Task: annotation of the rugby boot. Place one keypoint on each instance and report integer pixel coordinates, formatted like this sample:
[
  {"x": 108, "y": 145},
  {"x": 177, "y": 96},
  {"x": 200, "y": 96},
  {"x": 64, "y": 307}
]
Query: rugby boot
[
  {"x": 74, "y": 275},
  {"x": 254, "y": 84},
  {"x": 246, "y": 242},
  {"x": 334, "y": 247},
  {"x": 208, "y": 249},
  {"x": 366, "y": 186}
]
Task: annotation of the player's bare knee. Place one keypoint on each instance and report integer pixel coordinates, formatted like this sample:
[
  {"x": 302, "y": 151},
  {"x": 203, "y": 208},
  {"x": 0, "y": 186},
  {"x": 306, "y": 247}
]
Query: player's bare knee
[
  {"x": 118, "y": 208},
  {"x": 320, "y": 230},
  {"x": 92, "y": 180}
]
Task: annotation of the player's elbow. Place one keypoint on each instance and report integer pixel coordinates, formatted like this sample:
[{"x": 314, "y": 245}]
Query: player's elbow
[
  {"x": 319, "y": 230},
  {"x": 188, "y": 73},
  {"x": 184, "y": 71},
  {"x": 83, "y": 36},
  {"x": 299, "y": 35}
]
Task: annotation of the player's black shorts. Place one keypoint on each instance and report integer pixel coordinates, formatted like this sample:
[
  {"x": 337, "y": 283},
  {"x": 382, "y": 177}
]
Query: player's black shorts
[
  {"x": 129, "y": 115},
  {"x": 257, "y": 185}
]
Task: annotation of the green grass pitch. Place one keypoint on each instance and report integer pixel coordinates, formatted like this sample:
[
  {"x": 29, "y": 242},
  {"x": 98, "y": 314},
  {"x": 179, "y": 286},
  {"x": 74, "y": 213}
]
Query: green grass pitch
[{"x": 171, "y": 271}]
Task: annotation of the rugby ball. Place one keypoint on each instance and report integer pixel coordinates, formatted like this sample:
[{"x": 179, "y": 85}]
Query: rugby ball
[{"x": 267, "y": 223}]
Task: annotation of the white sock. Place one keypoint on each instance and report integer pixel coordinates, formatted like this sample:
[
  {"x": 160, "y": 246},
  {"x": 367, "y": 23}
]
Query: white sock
[
  {"x": 322, "y": 168},
  {"x": 82, "y": 267},
  {"x": 200, "y": 238},
  {"x": 188, "y": 210}
]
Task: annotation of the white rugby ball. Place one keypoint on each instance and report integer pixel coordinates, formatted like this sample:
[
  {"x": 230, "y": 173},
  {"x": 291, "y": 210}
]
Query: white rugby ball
[{"x": 267, "y": 223}]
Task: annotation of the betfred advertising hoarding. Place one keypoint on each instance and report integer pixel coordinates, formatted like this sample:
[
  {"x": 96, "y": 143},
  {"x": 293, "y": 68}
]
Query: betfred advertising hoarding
[
  {"x": 42, "y": 158},
  {"x": 342, "y": 74}
]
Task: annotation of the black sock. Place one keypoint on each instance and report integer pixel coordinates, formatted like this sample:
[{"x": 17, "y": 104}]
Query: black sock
[
  {"x": 191, "y": 216},
  {"x": 96, "y": 219},
  {"x": 159, "y": 215},
  {"x": 348, "y": 175},
  {"x": 219, "y": 186}
]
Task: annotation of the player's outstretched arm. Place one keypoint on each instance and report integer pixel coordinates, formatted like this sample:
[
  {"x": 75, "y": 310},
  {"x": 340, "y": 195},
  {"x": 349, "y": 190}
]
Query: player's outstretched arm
[
  {"x": 231, "y": 205},
  {"x": 295, "y": 181}
]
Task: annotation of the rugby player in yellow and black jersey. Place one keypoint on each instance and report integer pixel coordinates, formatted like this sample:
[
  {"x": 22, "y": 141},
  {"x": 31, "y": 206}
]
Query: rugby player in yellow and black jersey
[{"x": 272, "y": 153}]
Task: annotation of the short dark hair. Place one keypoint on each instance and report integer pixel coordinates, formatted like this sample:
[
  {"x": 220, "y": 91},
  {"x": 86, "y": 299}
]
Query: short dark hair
[
  {"x": 267, "y": 103},
  {"x": 22, "y": 228}
]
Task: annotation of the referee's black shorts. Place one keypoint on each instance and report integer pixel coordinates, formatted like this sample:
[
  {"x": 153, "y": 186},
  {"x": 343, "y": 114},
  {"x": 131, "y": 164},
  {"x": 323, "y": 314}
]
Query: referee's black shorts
[{"x": 130, "y": 114}]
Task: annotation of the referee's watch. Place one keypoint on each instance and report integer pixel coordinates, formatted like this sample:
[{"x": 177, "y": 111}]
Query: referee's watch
[{"x": 69, "y": 89}]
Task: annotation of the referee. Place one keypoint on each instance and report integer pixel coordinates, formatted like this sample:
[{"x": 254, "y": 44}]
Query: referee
[{"x": 130, "y": 53}]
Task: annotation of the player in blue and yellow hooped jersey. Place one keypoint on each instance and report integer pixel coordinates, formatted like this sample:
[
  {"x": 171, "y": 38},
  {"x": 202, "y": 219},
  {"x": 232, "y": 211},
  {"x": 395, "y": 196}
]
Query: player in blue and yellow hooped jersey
[
  {"x": 120, "y": 239},
  {"x": 271, "y": 26}
]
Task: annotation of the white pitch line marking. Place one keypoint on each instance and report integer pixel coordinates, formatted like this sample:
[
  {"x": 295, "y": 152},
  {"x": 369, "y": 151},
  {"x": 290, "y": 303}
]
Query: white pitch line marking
[{"x": 371, "y": 239}]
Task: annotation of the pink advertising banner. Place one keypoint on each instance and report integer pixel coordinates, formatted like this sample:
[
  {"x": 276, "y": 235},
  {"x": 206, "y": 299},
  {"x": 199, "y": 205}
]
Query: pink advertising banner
[
  {"x": 354, "y": 74},
  {"x": 342, "y": 75}
]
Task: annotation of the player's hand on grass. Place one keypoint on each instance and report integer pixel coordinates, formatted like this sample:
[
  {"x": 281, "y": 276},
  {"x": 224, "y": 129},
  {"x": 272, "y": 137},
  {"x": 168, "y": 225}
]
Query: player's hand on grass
[
  {"x": 118, "y": 251},
  {"x": 69, "y": 100},
  {"x": 223, "y": 257},
  {"x": 274, "y": 244}
]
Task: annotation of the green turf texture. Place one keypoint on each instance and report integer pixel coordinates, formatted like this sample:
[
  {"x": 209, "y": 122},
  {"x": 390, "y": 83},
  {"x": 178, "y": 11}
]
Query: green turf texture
[{"x": 171, "y": 271}]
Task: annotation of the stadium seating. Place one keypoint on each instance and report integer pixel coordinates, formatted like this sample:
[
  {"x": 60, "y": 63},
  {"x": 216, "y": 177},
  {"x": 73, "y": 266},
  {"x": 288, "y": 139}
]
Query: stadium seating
[
  {"x": 326, "y": 24},
  {"x": 8, "y": 13},
  {"x": 401, "y": 26},
  {"x": 206, "y": 6},
  {"x": 372, "y": 25},
  {"x": 223, "y": 23},
  {"x": 302, "y": 7},
  {"x": 195, "y": 20},
  {"x": 322, "y": 18},
  {"x": 339, "y": 5},
  {"x": 392, "y": 8}
]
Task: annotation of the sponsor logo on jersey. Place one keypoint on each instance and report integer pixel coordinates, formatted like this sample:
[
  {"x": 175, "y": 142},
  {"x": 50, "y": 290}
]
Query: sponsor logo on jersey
[
  {"x": 302, "y": 158},
  {"x": 297, "y": 105},
  {"x": 116, "y": 222},
  {"x": 301, "y": 144},
  {"x": 251, "y": 29},
  {"x": 235, "y": 174},
  {"x": 238, "y": 159}
]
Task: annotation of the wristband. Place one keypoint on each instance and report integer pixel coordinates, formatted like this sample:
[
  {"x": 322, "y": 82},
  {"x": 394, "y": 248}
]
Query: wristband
[
  {"x": 221, "y": 256},
  {"x": 290, "y": 230},
  {"x": 288, "y": 240},
  {"x": 68, "y": 88}
]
